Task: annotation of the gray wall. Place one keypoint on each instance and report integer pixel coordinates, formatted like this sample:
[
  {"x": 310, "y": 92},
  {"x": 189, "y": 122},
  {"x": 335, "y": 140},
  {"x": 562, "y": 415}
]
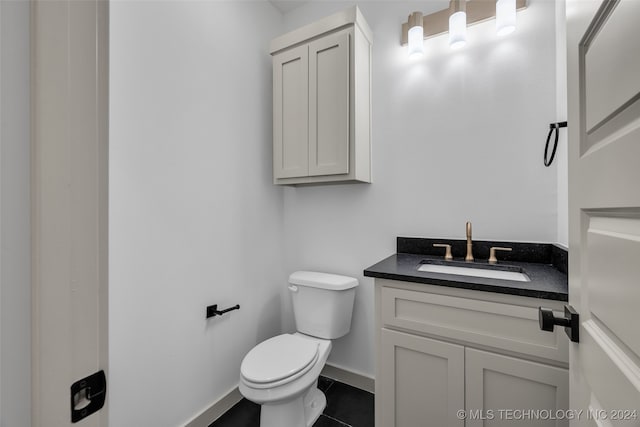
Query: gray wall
[{"x": 194, "y": 218}]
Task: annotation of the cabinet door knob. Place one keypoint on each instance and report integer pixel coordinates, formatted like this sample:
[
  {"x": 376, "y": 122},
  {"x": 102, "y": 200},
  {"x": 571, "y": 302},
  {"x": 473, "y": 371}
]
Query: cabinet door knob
[{"x": 571, "y": 321}]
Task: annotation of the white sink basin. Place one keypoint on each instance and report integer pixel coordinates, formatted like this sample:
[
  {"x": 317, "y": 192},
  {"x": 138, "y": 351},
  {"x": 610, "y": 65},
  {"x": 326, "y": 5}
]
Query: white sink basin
[{"x": 474, "y": 272}]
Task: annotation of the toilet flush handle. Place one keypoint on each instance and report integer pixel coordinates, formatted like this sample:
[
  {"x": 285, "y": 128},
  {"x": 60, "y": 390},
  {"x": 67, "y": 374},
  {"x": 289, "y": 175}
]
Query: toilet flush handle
[{"x": 293, "y": 288}]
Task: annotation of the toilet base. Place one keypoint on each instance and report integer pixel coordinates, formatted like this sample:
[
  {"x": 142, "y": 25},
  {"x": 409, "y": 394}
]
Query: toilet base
[
  {"x": 314, "y": 403},
  {"x": 302, "y": 411}
]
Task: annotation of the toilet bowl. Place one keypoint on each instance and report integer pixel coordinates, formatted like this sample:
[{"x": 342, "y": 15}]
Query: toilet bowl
[{"x": 281, "y": 373}]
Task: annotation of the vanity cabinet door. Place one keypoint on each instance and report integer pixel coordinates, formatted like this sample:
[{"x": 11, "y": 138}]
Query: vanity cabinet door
[
  {"x": 422, "y": 381},
  {"x": 497, "y": 383},
  {"x": 291, "y": 113}
]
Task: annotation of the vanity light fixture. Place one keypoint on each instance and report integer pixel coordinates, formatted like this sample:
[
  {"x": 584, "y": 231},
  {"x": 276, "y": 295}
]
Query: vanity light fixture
[
  {"x": 455, "y": 19},
  {"x": 458, "y": 24},
  {"x": 415, "y": 35}
]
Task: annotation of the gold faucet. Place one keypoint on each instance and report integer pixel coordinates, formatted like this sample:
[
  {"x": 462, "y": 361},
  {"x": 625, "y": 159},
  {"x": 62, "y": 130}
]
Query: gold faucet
[{"x": 469, "y": 257}]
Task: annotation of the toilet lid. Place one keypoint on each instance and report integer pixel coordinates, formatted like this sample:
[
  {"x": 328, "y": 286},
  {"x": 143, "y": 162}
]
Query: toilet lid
[{"x": 278, "y": 358}]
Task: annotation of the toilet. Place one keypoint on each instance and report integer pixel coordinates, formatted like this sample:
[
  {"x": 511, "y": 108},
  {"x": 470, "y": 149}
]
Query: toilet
[{"x": 281, "y": 373}]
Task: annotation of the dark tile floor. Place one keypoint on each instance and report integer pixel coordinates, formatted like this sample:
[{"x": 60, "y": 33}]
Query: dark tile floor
[{"x": 346, "y": 407}]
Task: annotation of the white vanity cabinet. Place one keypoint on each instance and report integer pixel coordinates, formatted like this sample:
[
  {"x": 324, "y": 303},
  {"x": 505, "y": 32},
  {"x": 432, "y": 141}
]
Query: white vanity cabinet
[
  {"x": 441, "y": 350},
  {"x": 321, "y": 102}
]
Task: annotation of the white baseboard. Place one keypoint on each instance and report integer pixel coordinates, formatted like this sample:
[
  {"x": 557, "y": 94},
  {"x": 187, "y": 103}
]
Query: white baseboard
[
  {"x": 347, "y": 376},
  {"x": 215, "y": 410}
]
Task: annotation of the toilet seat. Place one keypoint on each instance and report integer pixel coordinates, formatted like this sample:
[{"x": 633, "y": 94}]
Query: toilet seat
[{"x": 279, "y": 360}]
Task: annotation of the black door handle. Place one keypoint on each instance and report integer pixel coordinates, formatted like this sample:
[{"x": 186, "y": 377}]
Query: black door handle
[{"x": 571, "y": 321}]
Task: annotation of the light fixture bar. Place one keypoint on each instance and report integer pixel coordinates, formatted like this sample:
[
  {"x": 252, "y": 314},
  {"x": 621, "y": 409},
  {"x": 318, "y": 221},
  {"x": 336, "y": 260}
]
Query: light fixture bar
[{"x": 438, "y": 22}]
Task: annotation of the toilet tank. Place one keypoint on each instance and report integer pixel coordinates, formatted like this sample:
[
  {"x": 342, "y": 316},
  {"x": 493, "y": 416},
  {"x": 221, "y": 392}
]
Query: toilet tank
[{"x": 322, "y": 303}]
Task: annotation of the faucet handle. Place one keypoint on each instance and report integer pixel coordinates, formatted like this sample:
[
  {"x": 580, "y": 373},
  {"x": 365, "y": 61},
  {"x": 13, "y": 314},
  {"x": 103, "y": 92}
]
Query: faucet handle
[
  {"x": 447, "y": 254},
  {"x": 492, "y": 253}
]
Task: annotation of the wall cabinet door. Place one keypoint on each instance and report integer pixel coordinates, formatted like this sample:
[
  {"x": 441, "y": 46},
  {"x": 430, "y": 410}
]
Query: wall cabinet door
[
  {"x": 495, "y": 382},
  {"x": 423, "y": 381},
  {"x": 291, "y": 113},
  {"x": 329, "y": 105}
]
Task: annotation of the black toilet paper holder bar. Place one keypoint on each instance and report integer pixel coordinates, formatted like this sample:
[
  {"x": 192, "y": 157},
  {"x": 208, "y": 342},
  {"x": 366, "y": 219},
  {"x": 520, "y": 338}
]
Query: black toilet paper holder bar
[{"x": 212, "y": 310}]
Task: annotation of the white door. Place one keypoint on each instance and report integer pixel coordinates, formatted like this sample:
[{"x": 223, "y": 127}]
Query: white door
[
  {"x": 69, "y": 205},
  {"x": 603, "y": 42}
]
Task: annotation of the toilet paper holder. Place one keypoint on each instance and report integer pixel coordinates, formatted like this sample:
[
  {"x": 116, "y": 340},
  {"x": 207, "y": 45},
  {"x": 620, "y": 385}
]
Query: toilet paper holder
[{"x": 212, "y": 310}]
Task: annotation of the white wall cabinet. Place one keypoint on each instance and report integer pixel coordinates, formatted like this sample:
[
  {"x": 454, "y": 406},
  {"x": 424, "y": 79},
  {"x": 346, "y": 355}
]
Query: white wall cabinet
[
  {"x": 321, "y": 102},
  {"x": 441, "y": 350}
]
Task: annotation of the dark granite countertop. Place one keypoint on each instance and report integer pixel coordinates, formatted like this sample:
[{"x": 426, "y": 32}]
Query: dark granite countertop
[{"x": 548, "y": 280}]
